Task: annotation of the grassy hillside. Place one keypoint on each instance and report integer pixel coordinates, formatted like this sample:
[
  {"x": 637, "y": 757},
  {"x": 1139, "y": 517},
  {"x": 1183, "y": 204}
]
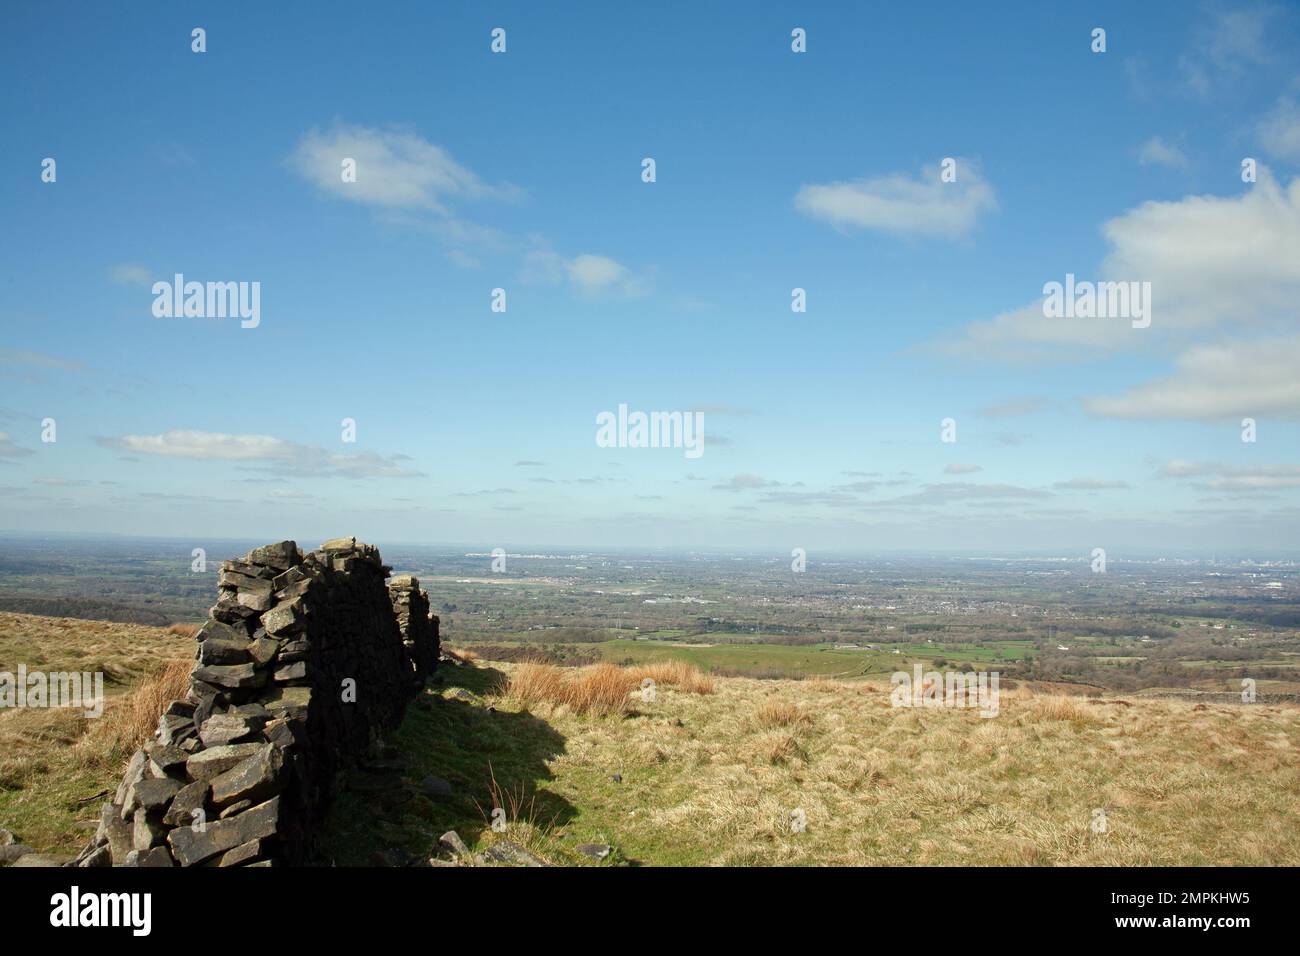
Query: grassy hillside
[
  {"x": 714, "y": 778},
  {"x": 711, "y": 772},
  {"x": 54, "y": 762}
]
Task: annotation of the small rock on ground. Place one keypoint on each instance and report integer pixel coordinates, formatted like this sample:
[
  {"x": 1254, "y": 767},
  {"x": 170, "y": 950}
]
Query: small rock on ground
[
  {"x": 511, "y": 854},
  {"x": 452, "y": 842},
  {"x": 11, "y": 853},
  {"x": 39, "y": 859}
]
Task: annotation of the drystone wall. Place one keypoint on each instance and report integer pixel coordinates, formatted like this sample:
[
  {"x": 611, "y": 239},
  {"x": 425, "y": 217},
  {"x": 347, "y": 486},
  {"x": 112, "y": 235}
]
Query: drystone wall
[{"x": 305, "y": 662}]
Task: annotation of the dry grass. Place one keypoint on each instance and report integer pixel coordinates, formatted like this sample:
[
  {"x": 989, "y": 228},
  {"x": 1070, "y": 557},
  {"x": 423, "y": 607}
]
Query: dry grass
[
  {"x": 184, "y": 630},
  {"x": 133, "y": 719},
  {"x": 1057, "y": 707},
  {"x": 675, "y": 673},
  {"x": 780, "y": 713},
  {"x": 713, "y": 779},
  {"x": 600, "y": 689},
  {"x": 124, "y": 653}
]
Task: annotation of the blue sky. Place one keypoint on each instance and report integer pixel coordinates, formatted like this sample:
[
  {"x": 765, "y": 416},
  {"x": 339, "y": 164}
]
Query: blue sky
[{"x": 775, "y": 170}]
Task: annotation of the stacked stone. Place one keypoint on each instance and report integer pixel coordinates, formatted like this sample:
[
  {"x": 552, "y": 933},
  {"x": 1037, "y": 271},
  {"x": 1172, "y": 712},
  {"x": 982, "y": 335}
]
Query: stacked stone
[
  {"x": 301, "y": 668},
  {"x": 419, "y": 627}
]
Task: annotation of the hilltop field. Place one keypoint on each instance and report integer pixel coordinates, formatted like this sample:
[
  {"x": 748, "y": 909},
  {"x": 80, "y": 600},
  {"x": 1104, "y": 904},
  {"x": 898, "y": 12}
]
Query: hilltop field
[{"x": 715, "y": 770}]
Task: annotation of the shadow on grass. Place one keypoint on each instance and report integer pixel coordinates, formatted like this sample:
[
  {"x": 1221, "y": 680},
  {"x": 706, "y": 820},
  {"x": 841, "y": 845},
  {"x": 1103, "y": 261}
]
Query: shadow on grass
[{"x": 450, "y": 732}]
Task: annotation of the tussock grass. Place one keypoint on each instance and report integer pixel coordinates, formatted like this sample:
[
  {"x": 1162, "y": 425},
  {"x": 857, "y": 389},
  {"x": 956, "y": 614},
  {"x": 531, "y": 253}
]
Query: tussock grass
[
  {"x": 599, "y": 689},
  {"x": 133, "y": 719},
  {"x": 780, "y": 713},
  {"x": 674, "y": 673},
  {"x": 1058, "y": 707}
]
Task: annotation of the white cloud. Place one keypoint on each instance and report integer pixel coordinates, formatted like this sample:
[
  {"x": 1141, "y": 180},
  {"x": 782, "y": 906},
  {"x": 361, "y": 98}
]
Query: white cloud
[
  {"x": 207, "y": 446},
  {"x": 903, "y": 205},
  {"x": 1215, "y": 383},
  {"x": 1279, "y": 131},
  {"x": 275, "y": 454},
  {"x": 1156, "y": 152},
  {"x": 1211, "y": 261},
  {"x": 394, "y": 169},
  {"x": 590, "y": 276},
  {"x": 957, "y": 468},
  {"x": 593, "y": 275}
]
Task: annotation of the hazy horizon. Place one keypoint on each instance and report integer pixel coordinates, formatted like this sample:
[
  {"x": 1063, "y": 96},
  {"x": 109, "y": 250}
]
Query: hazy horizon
[{"x": 770, "y": 553}]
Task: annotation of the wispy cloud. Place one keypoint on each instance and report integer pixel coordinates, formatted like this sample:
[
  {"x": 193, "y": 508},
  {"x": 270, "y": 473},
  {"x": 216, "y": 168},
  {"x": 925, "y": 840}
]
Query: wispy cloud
[
  {"x": 19, "y": 357},
  {"x": 859, "y": 487},
  {"x": 1243, "y": 479},
  {"x": 1279, "y": 131},
  {"x": 590, "y": 276},
  {"x": 745, "y": 483},
  {"x": 1089, "y": 484},
  {"x": 394, "y": 168},
  {"x": 1156, "y": 152},
  {"x": 951, "y": 491},
  {"x": 833, "y": 499},
  {"x": 275, "y": 454},
  {"x": 130, "y": 273},
  {"x": 9, "y": 450},
  {"x": 900, "y": 204},
  {"x": 1227, "y": 42}
]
